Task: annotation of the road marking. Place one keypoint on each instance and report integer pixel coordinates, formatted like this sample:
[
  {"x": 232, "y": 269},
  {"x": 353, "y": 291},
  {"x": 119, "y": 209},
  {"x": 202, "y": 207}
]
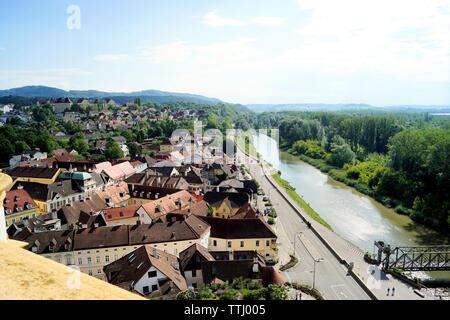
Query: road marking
[{"x": 340, "y": 290}]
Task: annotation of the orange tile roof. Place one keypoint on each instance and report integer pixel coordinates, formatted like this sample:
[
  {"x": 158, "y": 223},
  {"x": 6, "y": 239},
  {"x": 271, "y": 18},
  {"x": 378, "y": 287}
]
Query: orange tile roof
[
  {"x": 114, "y": 193},
  {"x": 167, "y": 204},
  {"x": 121, "y": 213}
]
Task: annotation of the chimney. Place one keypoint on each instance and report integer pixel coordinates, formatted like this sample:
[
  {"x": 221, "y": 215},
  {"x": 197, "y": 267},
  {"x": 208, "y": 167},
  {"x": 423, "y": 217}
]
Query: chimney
[{"x": 19, "y": 187}]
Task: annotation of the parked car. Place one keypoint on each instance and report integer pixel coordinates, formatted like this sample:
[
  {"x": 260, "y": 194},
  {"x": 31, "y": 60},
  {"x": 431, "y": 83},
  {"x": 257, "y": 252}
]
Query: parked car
[
  {"x": 259, "y": 193},
  {"x": 266, "y": 198}
]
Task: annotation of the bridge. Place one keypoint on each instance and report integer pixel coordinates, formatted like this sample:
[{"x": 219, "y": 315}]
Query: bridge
[{"x": 426, "y": 258}]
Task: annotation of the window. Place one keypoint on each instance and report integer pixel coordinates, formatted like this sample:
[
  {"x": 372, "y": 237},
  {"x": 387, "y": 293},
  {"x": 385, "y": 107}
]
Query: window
[
  {"x": 146, "y": 289},
  {"x": 194, "y": 285},
  {"x": 194, "y": 273},
  {"x": 99, "y": 271},
  {"x": 154, "y": 287},
  {"x": 106, "y": 258},
  {"x": 80, "y": 261},
  {"x": 116, "y": 257},
  {"x": 242, "y": 244},
  {"x": 257, "y": 243},
  {"x": 229, "y": 244},
  {"x": 152, "y": 274},
  {"x": 98, "y": 259},
  {"x": 267, "y": 243},
  {"x": 90, "y": 272},
  {"x": 89, "y": 260},
  {"x": 215, "y": 243}
]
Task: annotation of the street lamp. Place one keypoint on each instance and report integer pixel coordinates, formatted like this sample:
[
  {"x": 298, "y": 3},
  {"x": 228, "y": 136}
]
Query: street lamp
[
  {"x": 314, "y": 276},
  {"x": 295, "y": 239}
]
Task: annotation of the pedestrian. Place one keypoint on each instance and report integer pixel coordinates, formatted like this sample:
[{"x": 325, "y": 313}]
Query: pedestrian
[
  {"x": 388, "y": 291},
  {"x": 393, "y": 291}
]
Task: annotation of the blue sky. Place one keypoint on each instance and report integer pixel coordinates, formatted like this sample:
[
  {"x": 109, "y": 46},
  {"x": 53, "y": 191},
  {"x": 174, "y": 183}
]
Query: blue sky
[{"x": 324, "y": 51}]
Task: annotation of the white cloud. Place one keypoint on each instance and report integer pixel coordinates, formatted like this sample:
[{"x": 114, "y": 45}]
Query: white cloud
[
  {"x": 2, "y": 49},
  {"x": 268, "y": 21},
  {"x": 212, "y": 19},
  {"x": 111, "y": 57},
  {"x": 404, "y": 38},
  {"x": 210, "y": 54}
]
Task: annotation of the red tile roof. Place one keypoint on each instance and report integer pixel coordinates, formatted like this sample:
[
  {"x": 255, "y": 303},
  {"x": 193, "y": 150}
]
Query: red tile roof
[{"x": 18, "y": 199}]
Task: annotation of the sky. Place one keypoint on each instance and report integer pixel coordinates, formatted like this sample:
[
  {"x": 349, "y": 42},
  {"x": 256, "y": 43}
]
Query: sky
[{"x": 384, "y": 52}]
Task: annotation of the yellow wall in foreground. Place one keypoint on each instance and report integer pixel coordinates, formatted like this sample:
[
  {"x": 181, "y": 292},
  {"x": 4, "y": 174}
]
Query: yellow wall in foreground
[{"x": 32, "y": 277}]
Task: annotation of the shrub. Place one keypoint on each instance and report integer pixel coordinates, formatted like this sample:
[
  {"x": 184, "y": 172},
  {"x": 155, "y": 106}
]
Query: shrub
[{"x": 271, "y": 221}]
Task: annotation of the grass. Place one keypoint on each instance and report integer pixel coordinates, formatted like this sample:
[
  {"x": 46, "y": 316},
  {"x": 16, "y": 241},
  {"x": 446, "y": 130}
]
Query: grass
[
  {"x": 291, "y": 191},
  {"x": 249, "y": 148}
]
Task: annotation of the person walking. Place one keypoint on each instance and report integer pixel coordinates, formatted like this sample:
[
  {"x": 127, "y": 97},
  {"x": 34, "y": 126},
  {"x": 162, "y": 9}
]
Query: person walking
[
  {"x": 393, "y": 291},
  {"x": 388, "y": 291}
]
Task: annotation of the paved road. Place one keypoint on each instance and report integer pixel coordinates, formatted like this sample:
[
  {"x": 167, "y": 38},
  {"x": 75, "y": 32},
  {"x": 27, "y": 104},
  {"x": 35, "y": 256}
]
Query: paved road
[
  {"x": 289, "y": 224},
  {"x": 331, "y": 277}
]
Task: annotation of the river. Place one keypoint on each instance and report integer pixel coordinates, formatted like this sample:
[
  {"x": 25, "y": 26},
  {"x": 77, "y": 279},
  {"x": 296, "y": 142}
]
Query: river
[{"x": 354, "y": 216}]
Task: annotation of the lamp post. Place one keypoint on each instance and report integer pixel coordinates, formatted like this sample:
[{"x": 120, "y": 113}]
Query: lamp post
[{"x": 314, "y": 276}]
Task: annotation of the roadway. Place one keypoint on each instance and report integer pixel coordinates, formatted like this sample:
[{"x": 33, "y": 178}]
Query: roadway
[{"x": 331, "y": 277}]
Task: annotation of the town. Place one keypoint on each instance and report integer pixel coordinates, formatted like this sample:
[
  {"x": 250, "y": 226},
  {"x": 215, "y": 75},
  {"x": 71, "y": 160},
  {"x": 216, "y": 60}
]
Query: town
[{"x": 153, "y": 218}]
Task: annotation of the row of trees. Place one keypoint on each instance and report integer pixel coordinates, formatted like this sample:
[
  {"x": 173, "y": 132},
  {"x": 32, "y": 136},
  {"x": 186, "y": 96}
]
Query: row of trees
[{"x": 404, "y": 167}]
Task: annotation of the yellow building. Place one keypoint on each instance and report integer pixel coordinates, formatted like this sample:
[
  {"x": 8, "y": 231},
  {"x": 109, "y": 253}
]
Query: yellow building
[
  {"x": 226, "y": 204},
  {"x": 166, "y": 146},
  {"x": 242, "y": 235},
  {"x": 18, "y": 205}
]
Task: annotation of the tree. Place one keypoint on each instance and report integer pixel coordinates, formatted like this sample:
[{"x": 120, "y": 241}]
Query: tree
[
  {"x": 113, "y": 150},
  {"x": 341, "y": 152}
]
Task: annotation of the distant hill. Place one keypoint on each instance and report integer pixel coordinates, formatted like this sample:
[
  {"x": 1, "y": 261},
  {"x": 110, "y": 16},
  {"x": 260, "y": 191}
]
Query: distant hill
[
  {"x": 146, "y": 95},
  {"x": 344, "y": 107}
]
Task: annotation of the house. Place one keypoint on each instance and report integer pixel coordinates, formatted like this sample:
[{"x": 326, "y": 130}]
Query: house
[
  {"x": 60, "y": 104},
  {"x": 115, "y": 194},
  {"x": 121, "y": 215},
  {"x": 31, "y": 155},
  {"x": 18, "y": 205},
  {"x": 139, "y": 166},
  {"x": 140, "y": 194},
  {"x": 147, "y": 270},
  {"x": 90, "y": 249},
  {"x": 226, "y": 204},
  {"x": 166, "y": 146},
  {"x": 252, "y": 267},
  {"x": 35, "y": 174},
  {"x": 111, "y": 103},
  {"x": 60, "y": 152},
  {"x": 157, "y": 210},
  {"x": 85, "y": 213},
  {"x": 242, "y": 235},
  {"x": 118, "y": 172},
  {"x": 191, "y": 264}
]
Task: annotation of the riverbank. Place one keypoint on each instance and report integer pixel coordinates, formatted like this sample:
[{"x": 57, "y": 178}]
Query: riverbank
[
  {"x": 340, "y": 175},
  {"x": 291, "y": 191}
]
